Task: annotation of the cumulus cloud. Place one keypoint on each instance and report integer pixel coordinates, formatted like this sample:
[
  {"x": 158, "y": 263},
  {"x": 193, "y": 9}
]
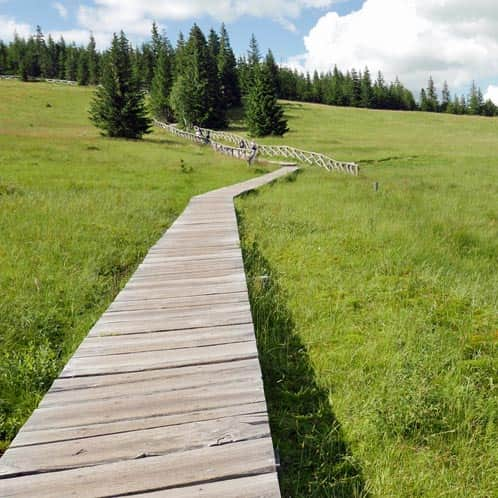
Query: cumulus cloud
[
  {"x": 453, "y": 40},
  {"x": 9, "y": 26},
  {"x": 492, "y": 93},
  {"x": 61, "y": 9},
  {"x": 135, "y": 16}
]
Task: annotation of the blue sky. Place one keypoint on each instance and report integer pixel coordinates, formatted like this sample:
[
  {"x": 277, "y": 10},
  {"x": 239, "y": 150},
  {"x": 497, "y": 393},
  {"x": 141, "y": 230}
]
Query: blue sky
[
  {"x": 270, "y": 33},
  {"x": 452, "y": 40}
]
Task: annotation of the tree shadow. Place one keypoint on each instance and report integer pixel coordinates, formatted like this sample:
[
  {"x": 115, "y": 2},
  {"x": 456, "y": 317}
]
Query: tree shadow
[{"x": 314, "y": 456}]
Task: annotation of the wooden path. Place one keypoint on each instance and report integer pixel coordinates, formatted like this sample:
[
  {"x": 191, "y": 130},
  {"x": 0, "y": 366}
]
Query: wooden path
[{"x": 164, "y": 397}]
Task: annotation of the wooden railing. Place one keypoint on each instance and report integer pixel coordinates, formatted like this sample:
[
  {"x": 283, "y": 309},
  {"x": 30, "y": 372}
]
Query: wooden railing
[
  {"x": 236, "y": 152},
  {"x": 48, "y": 80},
  {"x": 283, "y": 151}
]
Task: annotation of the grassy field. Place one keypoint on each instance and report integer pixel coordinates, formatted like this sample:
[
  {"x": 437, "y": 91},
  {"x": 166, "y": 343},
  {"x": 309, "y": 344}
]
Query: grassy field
[
  {"x": 377, "y": 314},
  {"x": 77, "y": 214}
]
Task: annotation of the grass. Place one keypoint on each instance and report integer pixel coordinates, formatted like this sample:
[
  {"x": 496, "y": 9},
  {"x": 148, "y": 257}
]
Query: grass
[
  {"x": 77, "y": 214},
  {"x": 377, "y": 315}
]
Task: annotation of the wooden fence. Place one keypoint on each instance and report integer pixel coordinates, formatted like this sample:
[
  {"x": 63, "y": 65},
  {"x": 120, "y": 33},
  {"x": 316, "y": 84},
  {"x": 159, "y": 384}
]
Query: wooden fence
[
  {"x": 236, "y": 152},
  {"x": 284, "y": 151},
  {"x": 48, "y": 80}
]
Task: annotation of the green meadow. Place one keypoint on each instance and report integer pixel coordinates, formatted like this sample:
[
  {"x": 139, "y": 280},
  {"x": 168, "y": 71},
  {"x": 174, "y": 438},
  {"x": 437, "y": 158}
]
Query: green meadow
[
  {"x": 78, "y": 212},
  {"x": 376, "y": 311}
]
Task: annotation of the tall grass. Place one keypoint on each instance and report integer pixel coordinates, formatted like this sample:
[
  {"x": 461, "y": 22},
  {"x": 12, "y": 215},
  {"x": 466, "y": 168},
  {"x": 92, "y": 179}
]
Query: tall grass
[
  {"x": 77, "y": 214},
  {"x": 393, "y": 297}
]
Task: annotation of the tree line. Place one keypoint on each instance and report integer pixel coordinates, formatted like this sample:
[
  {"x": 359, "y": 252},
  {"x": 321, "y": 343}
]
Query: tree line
[{"x": 200, "y": 78}]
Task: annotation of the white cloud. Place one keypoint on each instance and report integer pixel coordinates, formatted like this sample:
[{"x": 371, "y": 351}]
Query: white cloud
[
  {"x": 9, "y": 26},
  {"x": 135, "y": 16},
  {"x": 492, "y": 93},
  {"x": 61, "y": 9},
  {"x": 453, "y": 40}
]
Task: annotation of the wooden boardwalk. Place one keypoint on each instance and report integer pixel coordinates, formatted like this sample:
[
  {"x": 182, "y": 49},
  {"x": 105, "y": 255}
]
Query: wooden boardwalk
[{"x": 164, "y": 397}]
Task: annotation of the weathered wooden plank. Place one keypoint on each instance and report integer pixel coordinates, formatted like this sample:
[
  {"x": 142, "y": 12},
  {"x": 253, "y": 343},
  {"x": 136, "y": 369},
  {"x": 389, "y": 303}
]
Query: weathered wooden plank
[
  {"x": 168, "y": 314},
  {"x": 187, "y": 290},
  {"x": 163, "y": 341},
  {"x": 144, "y": 405},
  {"x": 170, "y": 377},
  {"x": 42, "y": 436},
  {"x": 177, "y": 302},
  {"x": 186, "y": 322},
  {"x": 149, "y": 474},
  {"x": 134, "y": 444},
  {"x": 259, "y": 486},
  {"x": 99, "y": 387},
  {"x": 154, "y": 360}
]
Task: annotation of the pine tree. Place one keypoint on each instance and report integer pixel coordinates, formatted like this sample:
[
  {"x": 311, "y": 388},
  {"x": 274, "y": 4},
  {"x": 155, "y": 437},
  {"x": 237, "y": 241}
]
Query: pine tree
[
  {"x": 61, "y": 59},
  {"x": 475, "y": 101},
  {"x": 253, "y": 63},
  {"x": 445, "y": 97},
  {"x": 356, "y": 88},
  {"x": 194, "y": 98},
  {"x": 3, "y": 58},
  {"x": 489, "y": 108},
  {"x": 71, "y": 70},
  {"x": 50, "y": 59},
  {"x": 432, "y": 104},
  {"x": 264, "y": 116},
  {"x": 379, "y": 92},
  {"x": 214, "y": 44},
  {"x": 163, "y": 82},
  {"x": 118, "y": 108},
  {"x": 424, "y": 104},
  {"x": 273, "y": 71},
  {"x": 366, "y": 94},
  {"x": 83, "y": 73},
  {"x": 227, "y": 71},
  {"x": 217, "y": 105},
  {"x": 93, "y": 62},
  {"x": 157, "y": 42}
]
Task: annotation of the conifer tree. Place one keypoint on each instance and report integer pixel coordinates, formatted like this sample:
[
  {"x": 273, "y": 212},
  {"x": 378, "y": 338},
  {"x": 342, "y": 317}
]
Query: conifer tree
[
  {"x": 445, "y": 97},
  {"x": 71, "y": 70},
  {"x": 264, "y": 116},
  {"x": 253, "y": 62},
  {"x": 475, "y": 101},
  {"x": 366, "y": 94},
  {"x": 49, "y": 63},
  {"x": 83, "y": 73},
  {"x": 61, "y": 59},
  {"x": 157, "y": 42},
  {"x": 355, "y": 88},
  {"x": 93, "y": 62},
  {"x": 227, "y": 71},
  {"x": 432, "y": 104},
  {"x": 217, "y": 105},
  {"x": 214, "y": 44},
  {"x": 163, "y": 82},
  {"x": 424, "y": 105},
  {"x": 3, "y": 58},
  {"x": 196, "y": 96},
  {"x": 118, "y": 108},
  {"x": 273, "y": 71}
]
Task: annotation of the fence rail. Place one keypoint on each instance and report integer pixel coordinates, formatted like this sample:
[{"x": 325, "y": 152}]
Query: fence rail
[
  {"x": 236, "y": 152},
  {"x": 48, "y": 80},
  {"x": 302, "y": 156}
]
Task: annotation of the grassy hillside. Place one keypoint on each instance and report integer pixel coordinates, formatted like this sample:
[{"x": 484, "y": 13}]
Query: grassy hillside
[
  {"x": 77, "y": 213},
  {"x": 377, "y": 314}
]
